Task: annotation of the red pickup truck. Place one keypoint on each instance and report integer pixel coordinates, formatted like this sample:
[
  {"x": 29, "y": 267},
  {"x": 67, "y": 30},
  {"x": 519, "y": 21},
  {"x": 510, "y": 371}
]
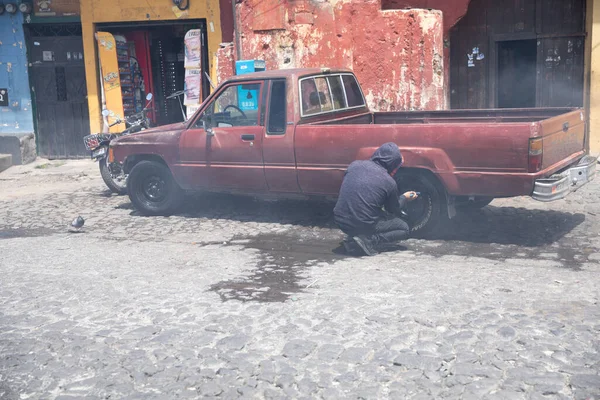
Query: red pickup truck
[{"x": 293, "y": 132}]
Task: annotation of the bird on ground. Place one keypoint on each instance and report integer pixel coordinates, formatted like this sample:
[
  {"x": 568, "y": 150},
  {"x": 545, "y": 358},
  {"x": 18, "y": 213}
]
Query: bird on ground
[{"x": 77, "y": 223}]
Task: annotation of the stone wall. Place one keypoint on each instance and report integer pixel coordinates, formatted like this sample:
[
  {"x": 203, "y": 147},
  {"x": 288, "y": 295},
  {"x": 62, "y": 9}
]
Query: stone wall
[{"x": 398, "y": 55}]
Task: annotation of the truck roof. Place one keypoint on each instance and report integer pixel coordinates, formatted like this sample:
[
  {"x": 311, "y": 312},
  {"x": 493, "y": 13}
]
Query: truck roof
[{"x": 284, "y": 73}]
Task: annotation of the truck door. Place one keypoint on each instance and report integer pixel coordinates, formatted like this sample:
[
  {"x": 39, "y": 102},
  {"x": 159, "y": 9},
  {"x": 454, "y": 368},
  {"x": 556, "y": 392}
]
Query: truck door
[
  {"x": 227, "y": 140},
  {"x": 278, "y": 144}
]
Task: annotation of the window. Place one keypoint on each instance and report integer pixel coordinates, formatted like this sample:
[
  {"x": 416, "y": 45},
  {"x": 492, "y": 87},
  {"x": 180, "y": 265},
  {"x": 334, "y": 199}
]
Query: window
[
  {"x": 277, "y": 109},
  {"x": 237, "y": 105},
  {"x": 353, "y": 93},
  {"x": 322, "y": 94},
  {"x": 315, "y": 96},
  {"x": 337, "y": 92}
]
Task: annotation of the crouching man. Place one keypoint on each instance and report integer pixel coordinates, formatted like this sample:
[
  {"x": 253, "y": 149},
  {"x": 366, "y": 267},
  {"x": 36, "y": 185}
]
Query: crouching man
[{"x": 369, "y": 188}]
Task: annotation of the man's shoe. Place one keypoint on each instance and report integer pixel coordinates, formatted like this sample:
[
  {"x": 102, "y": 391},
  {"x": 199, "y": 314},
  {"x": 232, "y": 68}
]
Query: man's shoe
[
  {"x": 365, "y": 244},
  {"x": 350, "y": 246}
]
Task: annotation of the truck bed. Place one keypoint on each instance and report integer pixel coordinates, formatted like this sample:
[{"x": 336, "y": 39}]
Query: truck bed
[
  {"x": 562, "y": 129},
  {"x": 475, "y": 152},
  {"x": 479, "y": 116}
]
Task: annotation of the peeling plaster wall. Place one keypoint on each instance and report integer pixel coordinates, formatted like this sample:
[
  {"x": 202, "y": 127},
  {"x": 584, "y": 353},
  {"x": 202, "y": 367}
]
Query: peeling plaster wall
[
  {"x": 396, "y": 54},
  {"x": 17, "y": 119},
  {"x": 225, "y": 62},
  {"x": 453, "y": 10}
]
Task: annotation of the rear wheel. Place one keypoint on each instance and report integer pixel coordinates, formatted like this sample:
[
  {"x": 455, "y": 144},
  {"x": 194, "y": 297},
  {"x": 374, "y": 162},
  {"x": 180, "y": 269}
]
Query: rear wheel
[
  {"x": 152, "y": 189},
  {"x": 113, "y": 177},
  {"x": 424, "y": 213}
]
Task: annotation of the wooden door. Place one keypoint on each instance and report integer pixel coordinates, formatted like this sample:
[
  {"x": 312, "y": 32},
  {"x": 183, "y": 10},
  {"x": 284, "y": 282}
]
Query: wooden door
[
  {"x": 494, "y": 41},
  {"x": 60, "y": 95}
]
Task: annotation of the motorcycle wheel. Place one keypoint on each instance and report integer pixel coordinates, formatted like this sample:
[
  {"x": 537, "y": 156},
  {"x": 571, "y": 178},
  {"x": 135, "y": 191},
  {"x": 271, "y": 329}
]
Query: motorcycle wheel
[{"x": 116, "y": 185}]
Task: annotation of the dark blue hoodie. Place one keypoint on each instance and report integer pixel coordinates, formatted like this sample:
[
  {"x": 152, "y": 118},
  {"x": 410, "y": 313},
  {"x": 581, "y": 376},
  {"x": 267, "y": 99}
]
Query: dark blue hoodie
[{"x": 367, "y": 188}]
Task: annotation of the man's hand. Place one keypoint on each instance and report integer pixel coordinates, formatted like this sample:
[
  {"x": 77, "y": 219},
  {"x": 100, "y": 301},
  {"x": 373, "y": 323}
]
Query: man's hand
[{"x": 410, "y": 196}]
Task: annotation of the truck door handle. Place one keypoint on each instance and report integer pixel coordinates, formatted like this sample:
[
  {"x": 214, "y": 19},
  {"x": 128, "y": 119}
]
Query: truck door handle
[
  {"x": 247, "y": 137},
  {"x": 565, "y": 126}
]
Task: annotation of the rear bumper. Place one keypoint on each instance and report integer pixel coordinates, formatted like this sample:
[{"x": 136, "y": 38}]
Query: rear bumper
[{"x": 559, "y": 185}]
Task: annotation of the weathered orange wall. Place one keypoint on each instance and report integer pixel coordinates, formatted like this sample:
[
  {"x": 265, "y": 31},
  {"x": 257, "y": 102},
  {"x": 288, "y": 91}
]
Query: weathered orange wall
[{"x": 396, "y": 54}]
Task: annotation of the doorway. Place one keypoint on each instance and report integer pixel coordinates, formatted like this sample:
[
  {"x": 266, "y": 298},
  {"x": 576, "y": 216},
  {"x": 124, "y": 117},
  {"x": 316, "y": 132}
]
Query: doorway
[
  {"x": 59, "y": 93},
  {"x": 516, "y": 84},
  {"x": 156, "y": 54}
]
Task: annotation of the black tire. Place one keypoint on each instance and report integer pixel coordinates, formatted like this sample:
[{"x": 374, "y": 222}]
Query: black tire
[
  {"x": 427, "y": 211},
  {"x": 470, "y": 205},
  {"x": 152, "y": 189},
  {"x": 115, "y": 186}
]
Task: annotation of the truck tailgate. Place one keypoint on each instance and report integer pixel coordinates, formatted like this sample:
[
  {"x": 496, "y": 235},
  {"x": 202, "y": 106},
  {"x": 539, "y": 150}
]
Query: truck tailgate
[{"x": 563, "y": 137}]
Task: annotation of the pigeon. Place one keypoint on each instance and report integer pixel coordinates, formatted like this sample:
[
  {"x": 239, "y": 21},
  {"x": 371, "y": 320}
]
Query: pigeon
[{"x": 77, "y": 223}]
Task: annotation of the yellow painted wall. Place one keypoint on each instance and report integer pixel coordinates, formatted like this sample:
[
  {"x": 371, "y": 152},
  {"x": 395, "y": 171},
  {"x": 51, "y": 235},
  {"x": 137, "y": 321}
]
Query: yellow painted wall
[
  {"x": 94, "y": 12},
  {"x": 594, "y": 87}
]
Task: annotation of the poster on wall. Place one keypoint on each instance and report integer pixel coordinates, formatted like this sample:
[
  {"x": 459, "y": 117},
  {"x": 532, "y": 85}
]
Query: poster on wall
[
  {"x": 191, "y": 110},
  {"x": 193, "y": 71},
  {"x": 56, "y": 8},
  {"x": 111, "y": 81},
  {"x": 193, "y": 85},
  {"x": 192, "y": 49}
]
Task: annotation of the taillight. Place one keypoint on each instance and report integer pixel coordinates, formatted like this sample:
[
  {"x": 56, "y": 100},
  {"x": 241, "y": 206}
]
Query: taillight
[{"x": 536, "y": 151}]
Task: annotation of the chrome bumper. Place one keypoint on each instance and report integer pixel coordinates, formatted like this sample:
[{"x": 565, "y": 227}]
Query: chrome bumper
[{"x": 559, "y": 185}]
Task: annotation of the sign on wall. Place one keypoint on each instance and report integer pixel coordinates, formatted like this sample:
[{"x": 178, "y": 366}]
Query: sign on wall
[
  {"x": 55, "y": 8},
  {"x": 111, "y": 81},
  {"x": 3, "y": 97}
]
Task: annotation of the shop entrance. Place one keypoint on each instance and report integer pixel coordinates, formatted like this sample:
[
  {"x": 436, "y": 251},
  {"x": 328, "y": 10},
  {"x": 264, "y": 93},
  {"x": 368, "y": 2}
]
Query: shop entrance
[{"x": 151, "y": 59}]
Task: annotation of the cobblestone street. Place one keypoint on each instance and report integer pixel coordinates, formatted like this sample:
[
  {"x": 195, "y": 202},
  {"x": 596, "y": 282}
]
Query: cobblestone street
[{"x": 239, "y": 298}]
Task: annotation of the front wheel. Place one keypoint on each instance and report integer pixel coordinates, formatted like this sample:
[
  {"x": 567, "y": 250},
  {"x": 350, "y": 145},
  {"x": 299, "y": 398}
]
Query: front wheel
[
  {"x": 152, "y": 189},
  {"x": 424, "y": 213},
  {"x": 116, "y": 180}
]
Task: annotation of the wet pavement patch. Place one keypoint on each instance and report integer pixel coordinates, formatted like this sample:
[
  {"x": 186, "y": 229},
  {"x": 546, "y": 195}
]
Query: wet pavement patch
[{"x": 278, "y": 274}]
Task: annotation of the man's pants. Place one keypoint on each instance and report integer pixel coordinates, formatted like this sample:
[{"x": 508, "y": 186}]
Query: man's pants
[{"x": 388, "y": 229}]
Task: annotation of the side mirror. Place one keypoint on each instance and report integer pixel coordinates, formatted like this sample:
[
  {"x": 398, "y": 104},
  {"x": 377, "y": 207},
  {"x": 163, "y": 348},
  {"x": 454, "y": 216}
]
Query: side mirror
[{"x": 149, "y": 96}]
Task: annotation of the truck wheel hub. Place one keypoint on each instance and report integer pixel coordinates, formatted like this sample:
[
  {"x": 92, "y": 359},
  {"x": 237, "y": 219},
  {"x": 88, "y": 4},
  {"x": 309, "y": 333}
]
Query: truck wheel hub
[{"x": 155, "y": 189}]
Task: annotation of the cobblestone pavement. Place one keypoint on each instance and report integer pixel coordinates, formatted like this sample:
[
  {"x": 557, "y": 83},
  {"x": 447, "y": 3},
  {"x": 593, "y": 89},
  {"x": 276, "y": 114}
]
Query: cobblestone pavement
[{"x": 238, "y": 298}]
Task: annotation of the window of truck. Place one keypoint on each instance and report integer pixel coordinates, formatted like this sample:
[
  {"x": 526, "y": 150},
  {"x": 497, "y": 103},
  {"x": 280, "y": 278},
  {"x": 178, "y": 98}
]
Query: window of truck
[
  {"x": 327, "y": 93},
  {"x": 277, "y": 108},
  {"x": 337, "y": 92},
  {"x": 236, "y": 105},
  {"x": 354, "y": 95}
]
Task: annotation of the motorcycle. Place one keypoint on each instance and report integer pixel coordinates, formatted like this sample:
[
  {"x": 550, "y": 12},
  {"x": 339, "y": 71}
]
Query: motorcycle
[{"x": 112, "y": 174}]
